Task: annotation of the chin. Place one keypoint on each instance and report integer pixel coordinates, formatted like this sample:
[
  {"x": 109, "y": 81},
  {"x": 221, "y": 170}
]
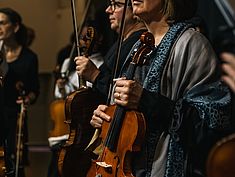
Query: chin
[
  {"x": 114, "y": 27},
  {"x": 137, "y": 12}
]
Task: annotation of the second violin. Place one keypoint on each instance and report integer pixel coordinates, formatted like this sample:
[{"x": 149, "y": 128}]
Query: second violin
[{"x": 79, "y": 106}]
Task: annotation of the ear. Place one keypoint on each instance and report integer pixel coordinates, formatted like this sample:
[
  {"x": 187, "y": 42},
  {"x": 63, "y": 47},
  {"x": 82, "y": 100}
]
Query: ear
[{"x": 17, "y": 27}]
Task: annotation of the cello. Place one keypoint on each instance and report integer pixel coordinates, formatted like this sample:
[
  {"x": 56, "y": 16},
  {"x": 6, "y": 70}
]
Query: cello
[
  {"x": 221, "y": 159},
  {"x": 126, "y": 131},
  {"x": 58, "y": 116},
  {"x": 79, "y": 106},
  {"x": 56, "y": 108}
]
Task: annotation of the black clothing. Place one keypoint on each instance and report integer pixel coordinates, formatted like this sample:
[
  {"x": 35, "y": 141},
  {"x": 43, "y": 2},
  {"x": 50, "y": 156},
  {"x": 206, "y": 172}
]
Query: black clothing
[
  {"x": 23, "y": 70},
  {"x": 218, "y": 31},
  {"x": 63, "y": 54},
  {"x": 105, "y": 76}
]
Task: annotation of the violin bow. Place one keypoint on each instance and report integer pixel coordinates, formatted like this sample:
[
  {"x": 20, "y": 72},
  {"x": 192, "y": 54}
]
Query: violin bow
[
  {"x": 120, "y": 40},
  {"x": 77, "y": 30}
]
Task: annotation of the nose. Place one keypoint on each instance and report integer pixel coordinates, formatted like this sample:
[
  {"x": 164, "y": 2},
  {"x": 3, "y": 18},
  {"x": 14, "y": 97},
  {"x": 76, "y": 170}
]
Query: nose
[{"x": 109, "y": 10}]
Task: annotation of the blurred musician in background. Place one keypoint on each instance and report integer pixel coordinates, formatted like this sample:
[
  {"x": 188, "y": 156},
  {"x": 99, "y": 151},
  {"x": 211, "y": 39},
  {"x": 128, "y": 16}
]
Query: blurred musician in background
[
  {"x": 68, "y": 82},
  {"x": 134, "y": 27},
  {"x": 219, "y": 18},
  {"x": 22, "y": 77}
]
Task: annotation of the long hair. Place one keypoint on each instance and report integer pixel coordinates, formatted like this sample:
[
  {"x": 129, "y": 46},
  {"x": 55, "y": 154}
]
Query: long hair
[{"x": 15, "y": 18}]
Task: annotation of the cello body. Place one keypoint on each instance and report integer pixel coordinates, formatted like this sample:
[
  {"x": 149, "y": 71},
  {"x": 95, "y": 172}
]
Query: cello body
[
  {"x": 58, "y": 116},
  {"x": 221, "y": 160}
]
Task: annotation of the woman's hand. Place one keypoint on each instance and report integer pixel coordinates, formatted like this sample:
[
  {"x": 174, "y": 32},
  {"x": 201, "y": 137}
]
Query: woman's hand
[
  {"x": 99, "y": 116},
  {"x": 86, "y": 68},
  {"x": 127, "y": 93},
  {"x": 228, "y": 68}
]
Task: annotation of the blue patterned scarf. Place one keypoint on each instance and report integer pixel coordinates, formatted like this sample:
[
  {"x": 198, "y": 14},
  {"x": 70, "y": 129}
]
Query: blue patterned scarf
[{"x": 211, "y": 101}]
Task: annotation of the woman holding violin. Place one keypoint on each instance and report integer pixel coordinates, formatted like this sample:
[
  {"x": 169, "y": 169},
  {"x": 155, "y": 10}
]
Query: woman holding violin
[
  {"x": 22, "y": 77},
  {"x": 183, "y": 102}
]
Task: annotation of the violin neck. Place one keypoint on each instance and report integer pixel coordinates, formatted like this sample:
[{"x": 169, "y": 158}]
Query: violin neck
[
  {"x": 115, "y": 128},
  {"x": 119, "y": 114},
  {"x": 131, "y": 71}
]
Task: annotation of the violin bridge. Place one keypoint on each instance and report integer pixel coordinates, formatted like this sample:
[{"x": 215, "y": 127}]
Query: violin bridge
[{"x": 104, "y": 164}]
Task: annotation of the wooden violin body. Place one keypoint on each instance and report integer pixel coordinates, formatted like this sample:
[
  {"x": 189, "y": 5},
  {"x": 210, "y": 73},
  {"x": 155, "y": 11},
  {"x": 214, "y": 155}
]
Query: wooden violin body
[
  {"x": 73, "y": 160},
  {"x": 117, "y": 162},
  {"x": 221, "y": 160},
  {"x": 2, "y": 163},
  {"x": 58, "y": 116}
]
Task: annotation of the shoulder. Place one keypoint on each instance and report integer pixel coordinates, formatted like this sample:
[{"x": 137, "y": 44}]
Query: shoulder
[
  {"x": 194, "y": 45},
  {"x": 29, "y": 54},
  {"x": 193, "y": 37}
]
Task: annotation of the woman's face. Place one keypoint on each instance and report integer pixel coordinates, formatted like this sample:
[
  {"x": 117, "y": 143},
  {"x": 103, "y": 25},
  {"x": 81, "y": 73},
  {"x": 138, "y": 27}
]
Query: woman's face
[
  {"x": 115, "y": 11},
  {"x": 147, "y": 9},
  {"x": 7, "y": 29}
]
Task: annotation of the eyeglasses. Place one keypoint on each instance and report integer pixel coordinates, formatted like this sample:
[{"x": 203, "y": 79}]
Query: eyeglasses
[{"x": 115, "y": 4}]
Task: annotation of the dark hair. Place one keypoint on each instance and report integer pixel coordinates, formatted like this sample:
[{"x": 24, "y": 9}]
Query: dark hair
[
  {"x": 15, "y": 19},
  {"x": 179, "y": 10}
]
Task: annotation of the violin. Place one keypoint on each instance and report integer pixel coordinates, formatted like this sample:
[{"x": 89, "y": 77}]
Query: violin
[
  {"x": 2, "y": 162},
  {"x": 20, "y": 130},
  {"x": 221, "y": 159},
  {"x": 126, "y": 131},
  {"x": 79, "y": 107}
]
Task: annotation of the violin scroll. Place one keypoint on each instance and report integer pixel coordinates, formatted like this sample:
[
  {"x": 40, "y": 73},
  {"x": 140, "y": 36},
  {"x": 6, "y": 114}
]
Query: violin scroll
[
  {"x": 87, "y": 42},
  {"x": 142, "y": 53}
]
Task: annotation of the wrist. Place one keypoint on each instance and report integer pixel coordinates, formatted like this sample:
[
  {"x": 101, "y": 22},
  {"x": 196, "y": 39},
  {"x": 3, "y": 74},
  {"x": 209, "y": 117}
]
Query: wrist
[{"x": 94, "y": 75}]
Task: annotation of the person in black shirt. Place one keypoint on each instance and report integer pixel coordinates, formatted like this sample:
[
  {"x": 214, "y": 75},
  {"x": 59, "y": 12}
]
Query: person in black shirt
[
  {"x": 133, "y": 29},
  {"x": 21, "y": 83}
]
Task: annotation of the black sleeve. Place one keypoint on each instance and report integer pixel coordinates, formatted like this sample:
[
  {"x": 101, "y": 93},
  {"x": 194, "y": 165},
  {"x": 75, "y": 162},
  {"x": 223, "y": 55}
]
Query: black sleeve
[
  {"x": 101, "y": 84},
  {"x": 198, "y": 140},
  {"x": 156, "y": 108},
  {"x": 33, "y": 79}
]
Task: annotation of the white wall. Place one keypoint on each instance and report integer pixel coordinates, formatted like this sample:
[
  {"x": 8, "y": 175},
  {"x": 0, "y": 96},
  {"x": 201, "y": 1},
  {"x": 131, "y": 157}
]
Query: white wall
[{"x": 52, "y": 22}]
